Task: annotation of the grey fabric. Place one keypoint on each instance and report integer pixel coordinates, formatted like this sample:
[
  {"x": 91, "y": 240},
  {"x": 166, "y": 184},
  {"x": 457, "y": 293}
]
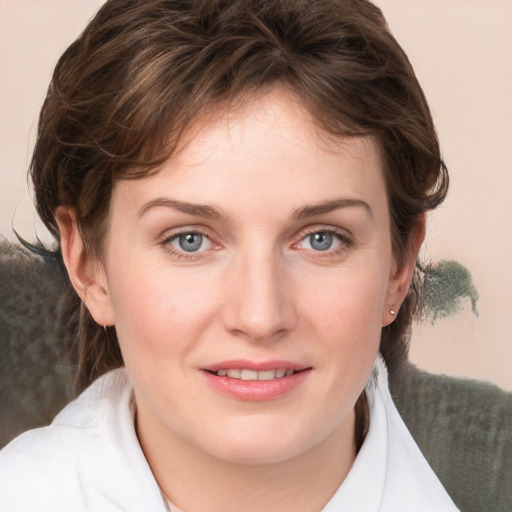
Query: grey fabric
[
  {"x": 463, "y": 427},
  {"x": 35, "y": 374}
]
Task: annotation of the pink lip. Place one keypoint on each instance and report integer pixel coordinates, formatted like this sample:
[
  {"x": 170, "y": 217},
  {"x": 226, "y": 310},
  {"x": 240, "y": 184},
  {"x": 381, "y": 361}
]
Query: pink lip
[
  {"x": 256, "y": 390},
  {"x": 255, "y": 365}
]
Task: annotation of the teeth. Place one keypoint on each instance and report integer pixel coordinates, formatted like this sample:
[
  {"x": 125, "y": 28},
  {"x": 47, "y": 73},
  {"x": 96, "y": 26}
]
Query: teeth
[
  {"x": 248, "y": 375},
  {"x": 267, "y": 375},
  {"x": 243, "y": 374}
]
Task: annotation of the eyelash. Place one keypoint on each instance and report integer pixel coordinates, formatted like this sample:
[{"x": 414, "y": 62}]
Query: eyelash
[
  {"x": 344, "y": 239},
  {"x": 184, "y": 255}
]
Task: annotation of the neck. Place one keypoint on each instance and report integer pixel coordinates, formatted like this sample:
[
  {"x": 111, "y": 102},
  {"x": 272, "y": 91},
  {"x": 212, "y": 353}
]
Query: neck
[{"x": 195, "y": 480}]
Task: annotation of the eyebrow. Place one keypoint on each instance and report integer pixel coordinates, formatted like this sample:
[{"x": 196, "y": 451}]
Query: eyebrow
[
  {"x": 210, "y": 212},
  {"x": 329, "y": 206},
  {"x": 198, "y": 210}
]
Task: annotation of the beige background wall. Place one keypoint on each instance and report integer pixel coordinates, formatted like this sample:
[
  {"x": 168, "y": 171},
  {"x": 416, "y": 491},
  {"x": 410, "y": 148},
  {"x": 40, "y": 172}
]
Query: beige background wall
[{"x": 462, "y": 52}]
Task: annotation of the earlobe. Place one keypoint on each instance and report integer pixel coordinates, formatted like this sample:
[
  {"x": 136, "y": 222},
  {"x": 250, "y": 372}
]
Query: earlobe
[
  {"x": 85, "y": 272},
  {"x": 400, "y": 280}
]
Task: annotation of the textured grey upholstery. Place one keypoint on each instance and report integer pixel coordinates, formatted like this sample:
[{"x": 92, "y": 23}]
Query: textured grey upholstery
[
  {"x": 464, "y": 429},
  {"x": 35, "y": 371}
]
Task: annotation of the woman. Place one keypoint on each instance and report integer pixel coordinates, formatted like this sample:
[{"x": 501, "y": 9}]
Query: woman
[{"x": 239, "y": 192}]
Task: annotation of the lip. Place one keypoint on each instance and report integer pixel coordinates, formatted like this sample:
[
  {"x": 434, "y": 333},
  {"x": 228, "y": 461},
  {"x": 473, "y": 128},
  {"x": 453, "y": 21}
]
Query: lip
[
  {"x": 255, "y": 365},
  {"x": 255, "y": 390}
]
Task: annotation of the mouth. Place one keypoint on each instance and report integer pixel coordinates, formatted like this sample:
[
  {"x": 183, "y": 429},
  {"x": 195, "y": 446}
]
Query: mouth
[
  {"x": 256, "y": 380},
  {"x": 247, "y": 374}
]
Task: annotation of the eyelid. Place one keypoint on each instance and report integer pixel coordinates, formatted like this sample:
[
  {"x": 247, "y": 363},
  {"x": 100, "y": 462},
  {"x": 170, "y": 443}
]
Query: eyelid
[
  {"x": 343, "y": 235},
  {"x": 168, "y": 234},
  {"x": 322, "y": 228},
  {"x": 172, "y": 234}
]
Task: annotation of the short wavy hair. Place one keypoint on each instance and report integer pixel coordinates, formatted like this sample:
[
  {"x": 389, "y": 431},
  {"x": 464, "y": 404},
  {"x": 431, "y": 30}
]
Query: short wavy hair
[{"x": 142, "y": 70}]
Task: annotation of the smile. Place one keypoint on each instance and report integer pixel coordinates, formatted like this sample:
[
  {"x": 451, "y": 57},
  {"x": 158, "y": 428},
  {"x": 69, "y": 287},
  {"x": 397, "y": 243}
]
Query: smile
[
  {"x": 244, "y": 379},
  {"x": 245, "y": 374}
]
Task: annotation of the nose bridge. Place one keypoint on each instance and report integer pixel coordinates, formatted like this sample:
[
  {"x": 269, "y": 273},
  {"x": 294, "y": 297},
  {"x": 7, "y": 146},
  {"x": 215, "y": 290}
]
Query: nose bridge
[{"x": 259, "y": 304}]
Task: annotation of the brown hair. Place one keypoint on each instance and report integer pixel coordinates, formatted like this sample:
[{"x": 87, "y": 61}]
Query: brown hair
[{"x": 125, "y": 90}]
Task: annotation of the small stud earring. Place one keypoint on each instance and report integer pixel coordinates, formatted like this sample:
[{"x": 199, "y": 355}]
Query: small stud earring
[{"x": 392, "y": 312}]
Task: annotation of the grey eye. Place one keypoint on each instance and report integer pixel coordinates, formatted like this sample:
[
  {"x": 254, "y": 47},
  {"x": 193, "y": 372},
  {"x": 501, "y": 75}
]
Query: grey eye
[
  {"x": 321, "y": 241},
  {"x": 190, "y": 242}
]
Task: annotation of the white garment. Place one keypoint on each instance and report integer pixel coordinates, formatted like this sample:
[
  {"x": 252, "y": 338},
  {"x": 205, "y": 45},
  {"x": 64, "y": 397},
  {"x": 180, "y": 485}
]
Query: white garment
[
  {"x": 390, "y": 473},
  {"x": 89, "y": 458}
]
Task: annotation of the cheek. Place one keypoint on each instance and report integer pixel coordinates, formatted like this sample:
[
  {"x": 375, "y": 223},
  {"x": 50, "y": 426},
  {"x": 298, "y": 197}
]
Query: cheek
[
  {"x": 157, "y": 309},
  {"x": 346, "y": 319},
  {"x": 349, "y": 301}
]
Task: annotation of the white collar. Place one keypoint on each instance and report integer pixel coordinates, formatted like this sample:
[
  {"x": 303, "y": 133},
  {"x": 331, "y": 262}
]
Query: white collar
[{"x": 390, "y": 474}]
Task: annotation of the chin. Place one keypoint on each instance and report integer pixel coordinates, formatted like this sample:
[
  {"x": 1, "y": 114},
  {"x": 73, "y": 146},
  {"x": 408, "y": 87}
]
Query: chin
[
  {"x": 256, "y": 454},
  {"x": 270, "y": 443}
]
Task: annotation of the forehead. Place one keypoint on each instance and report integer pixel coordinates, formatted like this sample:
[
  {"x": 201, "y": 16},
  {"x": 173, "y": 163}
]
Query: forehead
[
  {"x": 261, "y": 147},
  {"x": 259, "y": 116}
]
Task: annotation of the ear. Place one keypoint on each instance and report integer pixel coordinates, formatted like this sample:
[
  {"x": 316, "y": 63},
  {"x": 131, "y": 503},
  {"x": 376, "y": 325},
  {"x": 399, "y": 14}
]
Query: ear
[
  {"x": 402, "y": 274},
  {"x": 87, "y": 273}
]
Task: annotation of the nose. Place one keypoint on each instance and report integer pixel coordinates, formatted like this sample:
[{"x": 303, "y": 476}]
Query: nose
[{"x": 259, "y": 305}]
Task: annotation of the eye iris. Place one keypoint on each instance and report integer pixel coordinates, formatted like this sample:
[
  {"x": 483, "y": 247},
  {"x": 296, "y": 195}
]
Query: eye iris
[
  {"x": 321, "y": 241},
  {"x": 191, "y": 242}
]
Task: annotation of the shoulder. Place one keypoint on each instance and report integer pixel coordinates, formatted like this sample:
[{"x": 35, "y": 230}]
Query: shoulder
[
  {"x": 401, "y": 478},
  {"x": 49, "y": 465},
  {"x": 464, "y": 429}
]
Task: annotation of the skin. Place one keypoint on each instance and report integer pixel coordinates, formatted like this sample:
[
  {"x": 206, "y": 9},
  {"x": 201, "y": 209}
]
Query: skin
[{"x": 257, "y": 289}]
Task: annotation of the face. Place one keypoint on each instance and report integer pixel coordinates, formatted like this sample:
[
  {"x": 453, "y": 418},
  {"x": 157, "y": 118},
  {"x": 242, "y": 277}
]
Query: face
[{"x": 248, "y": 281}]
